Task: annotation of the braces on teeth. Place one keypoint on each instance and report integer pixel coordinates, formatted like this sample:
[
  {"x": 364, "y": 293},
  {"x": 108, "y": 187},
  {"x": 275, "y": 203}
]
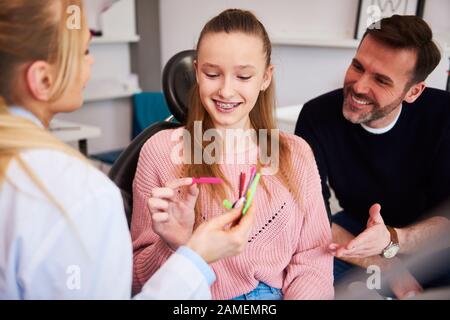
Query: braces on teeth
[{"x": 227, "y": 105}]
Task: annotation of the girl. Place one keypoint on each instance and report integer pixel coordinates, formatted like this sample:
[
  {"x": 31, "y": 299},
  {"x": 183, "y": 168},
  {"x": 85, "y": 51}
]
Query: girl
[
  {"x": 62, "y": 224},
  {"x": 286, "y": 255}
]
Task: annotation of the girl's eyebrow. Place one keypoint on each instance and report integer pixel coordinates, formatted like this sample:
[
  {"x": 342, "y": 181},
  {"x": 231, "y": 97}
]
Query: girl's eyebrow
[
  {"x": 247, "y": 66},
  {"x": 210, "y": 65}
]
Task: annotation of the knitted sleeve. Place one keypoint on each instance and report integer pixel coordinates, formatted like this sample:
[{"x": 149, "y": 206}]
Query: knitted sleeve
[{"x": 149, "y": 250}]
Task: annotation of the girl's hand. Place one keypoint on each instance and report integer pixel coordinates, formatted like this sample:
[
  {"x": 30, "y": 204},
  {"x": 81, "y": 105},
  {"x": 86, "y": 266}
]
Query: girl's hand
[{"x": 173, "y": 219}]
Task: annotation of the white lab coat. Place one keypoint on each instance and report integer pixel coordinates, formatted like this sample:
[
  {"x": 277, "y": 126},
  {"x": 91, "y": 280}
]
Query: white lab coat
[{"x": 85, "y": 253}]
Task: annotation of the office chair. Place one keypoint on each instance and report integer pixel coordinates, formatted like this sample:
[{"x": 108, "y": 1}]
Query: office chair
[{"x": 178, "y": 78}]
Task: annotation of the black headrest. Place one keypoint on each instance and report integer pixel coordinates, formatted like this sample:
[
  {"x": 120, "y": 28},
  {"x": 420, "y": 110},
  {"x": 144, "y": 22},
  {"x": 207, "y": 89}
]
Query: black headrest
[
  {"x": 124, "y": 168},
  {"x": 177, "y": 81}
]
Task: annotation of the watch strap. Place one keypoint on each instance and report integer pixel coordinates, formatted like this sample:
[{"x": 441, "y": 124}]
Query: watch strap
[{"x": 394, "y": 236}]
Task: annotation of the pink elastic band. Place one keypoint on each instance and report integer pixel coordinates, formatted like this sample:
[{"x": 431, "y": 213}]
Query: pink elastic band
[{"x": 207, "y": 180}]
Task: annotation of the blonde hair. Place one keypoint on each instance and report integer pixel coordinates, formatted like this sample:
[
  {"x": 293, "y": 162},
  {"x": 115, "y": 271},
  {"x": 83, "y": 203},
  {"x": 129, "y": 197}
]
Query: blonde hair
[
  {"x": 29, "y": 32},
  {"x": 261, "y": 117}
]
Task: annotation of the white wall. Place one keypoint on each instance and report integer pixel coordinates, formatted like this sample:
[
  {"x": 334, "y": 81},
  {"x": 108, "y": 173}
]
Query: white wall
[
  {"x": 436, "y": 15},
  {"x": 301, "y": 73},
  {"x": 181, "y": 21}
]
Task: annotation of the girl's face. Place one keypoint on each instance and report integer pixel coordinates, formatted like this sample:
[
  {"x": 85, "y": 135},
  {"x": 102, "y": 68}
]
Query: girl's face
[
  {"x": 231, "y": 72},
  {"x": 72, "y": 98}
]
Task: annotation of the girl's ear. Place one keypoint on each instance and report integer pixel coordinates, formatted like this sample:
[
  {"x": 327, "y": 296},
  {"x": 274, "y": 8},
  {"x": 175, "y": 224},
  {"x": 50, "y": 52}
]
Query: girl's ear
[
  {"x": 267, "y": 77},
  {"x": 414, "y": 92},
  {"x": 39, "y": 80}
]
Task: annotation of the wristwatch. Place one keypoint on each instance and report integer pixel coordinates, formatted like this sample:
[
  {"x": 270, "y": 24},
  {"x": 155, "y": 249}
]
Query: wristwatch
[{"x": 393, "y": 247}]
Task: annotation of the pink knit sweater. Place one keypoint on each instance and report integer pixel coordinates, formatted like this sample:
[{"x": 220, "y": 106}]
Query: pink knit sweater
[{"x": 287, "y": 247}]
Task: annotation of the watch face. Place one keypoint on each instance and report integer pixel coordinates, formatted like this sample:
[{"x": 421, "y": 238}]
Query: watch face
[{"x": 390, "y": 251}]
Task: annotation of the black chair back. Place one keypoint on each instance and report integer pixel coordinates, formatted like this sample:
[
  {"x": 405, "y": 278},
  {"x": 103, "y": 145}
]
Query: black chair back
[{"x": 178, "y": 79}]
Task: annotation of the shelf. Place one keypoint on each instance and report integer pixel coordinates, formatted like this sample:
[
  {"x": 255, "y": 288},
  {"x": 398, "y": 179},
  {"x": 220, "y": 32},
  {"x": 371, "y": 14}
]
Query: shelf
[
  {"x": 70, "y": 131},
  {"x": 110, "y": 96},
  {"x": 443, "y": 41},
  {"x": 316, "y": 42},
  {"x": 111, "y": 88},
  {"x": 287, "y": 117},
  {"x": 118, "y": 39},
  {"x": 288, "y": 113}
]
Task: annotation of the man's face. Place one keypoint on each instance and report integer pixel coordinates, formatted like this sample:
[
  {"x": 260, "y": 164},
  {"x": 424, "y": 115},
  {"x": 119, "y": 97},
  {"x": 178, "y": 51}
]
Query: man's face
[{"x": 376, "y": 83}]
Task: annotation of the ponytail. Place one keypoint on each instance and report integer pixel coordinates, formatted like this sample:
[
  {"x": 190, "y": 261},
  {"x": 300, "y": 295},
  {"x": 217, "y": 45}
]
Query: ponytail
[
  {"x": 31, "y": 31},
  {"x": 18, "y": 134},
  {"x": 48, "y": 39}
]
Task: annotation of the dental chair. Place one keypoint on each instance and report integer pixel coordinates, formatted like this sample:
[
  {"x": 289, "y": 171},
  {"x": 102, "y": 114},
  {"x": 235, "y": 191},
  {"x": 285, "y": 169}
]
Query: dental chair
[{"x": 177, "y": 80}]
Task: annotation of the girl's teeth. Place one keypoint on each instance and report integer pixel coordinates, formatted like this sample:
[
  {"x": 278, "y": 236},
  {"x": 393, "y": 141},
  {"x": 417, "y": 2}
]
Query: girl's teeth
[{"x": 226, "y": 105}]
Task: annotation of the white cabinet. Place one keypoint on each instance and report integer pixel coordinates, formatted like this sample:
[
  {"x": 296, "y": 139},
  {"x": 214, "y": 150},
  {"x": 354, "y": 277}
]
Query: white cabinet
[
  {"x": 111, "y": 74},
  {"x": 287, "y": 117}
]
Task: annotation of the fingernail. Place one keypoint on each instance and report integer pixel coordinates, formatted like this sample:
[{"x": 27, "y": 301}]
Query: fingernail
[
  {"x": 410, "y": 294},
  {"x": 227, "y": 204},
  {"x": 240, "y": 203}
]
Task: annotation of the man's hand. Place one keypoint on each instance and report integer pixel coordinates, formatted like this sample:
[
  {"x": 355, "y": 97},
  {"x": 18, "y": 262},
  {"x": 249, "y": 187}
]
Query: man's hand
[
  {"x": 173, "y": 219},
  {"x": 401, "y": 281},
  {"x": 370, "y": 242},
  {"x": 222, "y": 236}
]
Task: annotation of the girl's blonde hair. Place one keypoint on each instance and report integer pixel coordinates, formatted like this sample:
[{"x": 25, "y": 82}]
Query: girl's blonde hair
[
  {"x": 31, "y": 31},
  {"x": 261, "y": 117}
]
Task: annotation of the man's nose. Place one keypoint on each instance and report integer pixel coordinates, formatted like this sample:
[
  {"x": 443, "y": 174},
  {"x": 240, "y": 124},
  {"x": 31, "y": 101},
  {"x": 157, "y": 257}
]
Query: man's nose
[{"x": 362, "y": 85}]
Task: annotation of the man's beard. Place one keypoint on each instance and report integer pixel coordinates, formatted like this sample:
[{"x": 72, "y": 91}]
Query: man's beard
[{"x": 377, "y": 112}]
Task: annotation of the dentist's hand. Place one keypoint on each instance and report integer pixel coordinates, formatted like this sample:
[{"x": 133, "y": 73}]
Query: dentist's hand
[
  {"x": 223, "y": 236},
  {"x": 172, "y": 218}
]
